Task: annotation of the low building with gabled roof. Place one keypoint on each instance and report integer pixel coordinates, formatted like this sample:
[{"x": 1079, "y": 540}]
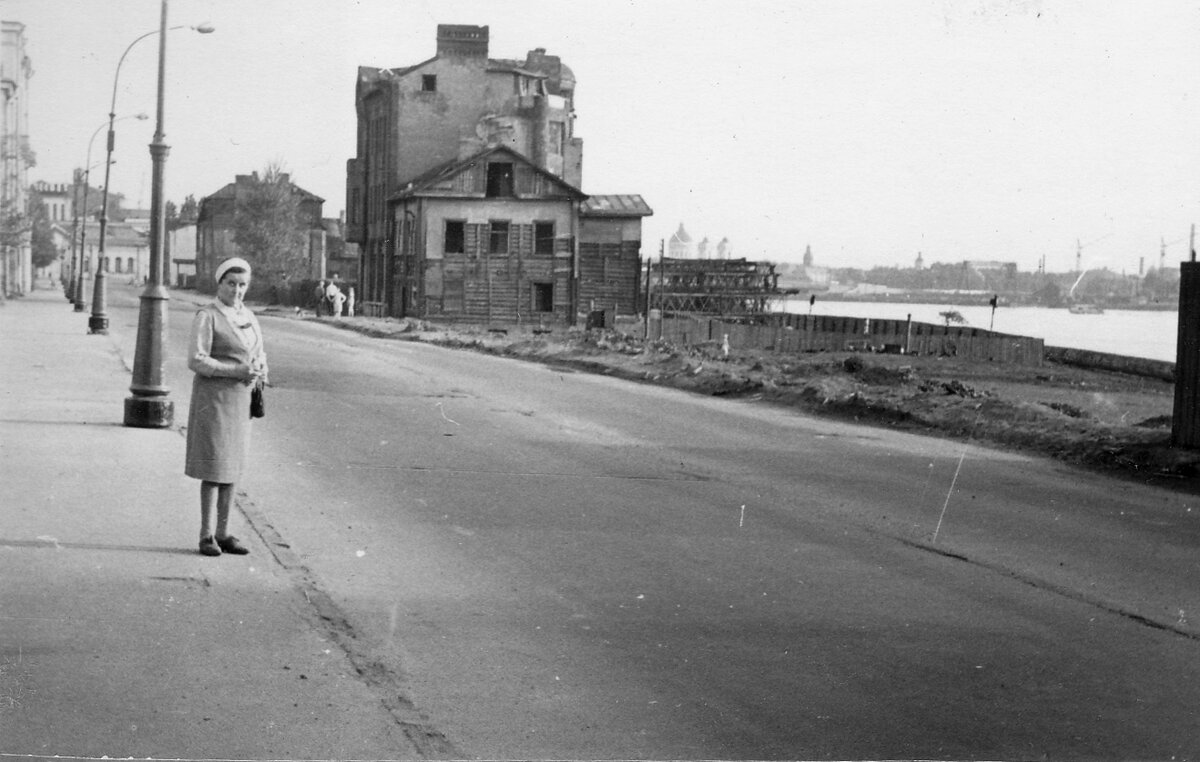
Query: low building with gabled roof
[
  {"x": 488, "y": 237},
  {"x": 215, "y": 226}
]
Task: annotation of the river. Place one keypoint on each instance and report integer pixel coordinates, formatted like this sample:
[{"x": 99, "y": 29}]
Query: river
[{"x": 1136, "y": 333}]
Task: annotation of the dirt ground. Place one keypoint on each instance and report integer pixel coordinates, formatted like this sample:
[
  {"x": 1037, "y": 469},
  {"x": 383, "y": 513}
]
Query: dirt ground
[{"x": 1111, "y": 422}]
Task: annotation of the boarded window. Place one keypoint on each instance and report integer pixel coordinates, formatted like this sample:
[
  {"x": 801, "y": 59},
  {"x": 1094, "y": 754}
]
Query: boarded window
[
  {"x": 557, "y": 135},
  {"x": 499, "y": 179},
  {"x": 543, "y": 297},
  {"x": 453, "y": 294},
  {"x": 456, "y": 237},
  {"x": 498, "y": 237},
  {"x": 543, "y": 238}
]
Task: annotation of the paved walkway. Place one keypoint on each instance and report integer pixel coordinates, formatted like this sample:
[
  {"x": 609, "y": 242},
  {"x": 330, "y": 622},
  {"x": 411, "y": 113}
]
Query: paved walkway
[{"x": 117, "y": 638}]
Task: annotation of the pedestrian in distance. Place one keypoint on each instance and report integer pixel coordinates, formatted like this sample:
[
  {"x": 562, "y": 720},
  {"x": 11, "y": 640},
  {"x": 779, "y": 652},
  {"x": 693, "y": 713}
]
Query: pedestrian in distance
[
  {"x": 332, "y": 294},
  {"x": 319, "y": 297},
  {"x": 225, "y": 352}
]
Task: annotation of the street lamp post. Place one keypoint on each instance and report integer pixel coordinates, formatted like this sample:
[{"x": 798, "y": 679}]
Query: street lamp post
[
  {"x": 77, "y": 282},
  {"x": 74, "y": 287},
  {"x": 98, "y": 322},
  {"x": 148, "y": 406}
]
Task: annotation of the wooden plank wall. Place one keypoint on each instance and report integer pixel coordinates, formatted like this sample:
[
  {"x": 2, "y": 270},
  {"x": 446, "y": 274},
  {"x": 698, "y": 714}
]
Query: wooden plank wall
[
  {"x": 826, "y": 333},
  {"x": 481, "y": 287},
  {"x": 609, "y": 275}
]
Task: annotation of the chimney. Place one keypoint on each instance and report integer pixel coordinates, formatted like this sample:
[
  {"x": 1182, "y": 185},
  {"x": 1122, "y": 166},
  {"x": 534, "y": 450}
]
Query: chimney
[{"x": 462, "y": 41}]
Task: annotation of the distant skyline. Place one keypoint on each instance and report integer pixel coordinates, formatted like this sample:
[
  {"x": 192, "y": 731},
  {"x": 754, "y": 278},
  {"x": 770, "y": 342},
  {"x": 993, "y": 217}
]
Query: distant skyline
[{"x": 868, "y": 130}]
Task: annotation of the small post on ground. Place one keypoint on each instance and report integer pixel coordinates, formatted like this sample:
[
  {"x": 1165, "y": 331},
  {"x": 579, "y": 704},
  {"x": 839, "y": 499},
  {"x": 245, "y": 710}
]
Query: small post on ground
[{"x": 1185, "y": 420}]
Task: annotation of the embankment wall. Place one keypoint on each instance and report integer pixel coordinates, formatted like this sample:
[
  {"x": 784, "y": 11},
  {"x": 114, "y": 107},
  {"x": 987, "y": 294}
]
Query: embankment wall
[
  {"x": 1134, "y": 366},
  {"x": 828, "y": 333}
]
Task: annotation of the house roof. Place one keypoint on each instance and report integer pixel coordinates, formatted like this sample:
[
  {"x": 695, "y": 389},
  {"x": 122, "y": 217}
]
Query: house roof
[
  {"x": 619, "y": 205},
  {"x": 443, "y": 172},
  {"x": 120, "y": 234},
  {"x": 229, "y": 190}
]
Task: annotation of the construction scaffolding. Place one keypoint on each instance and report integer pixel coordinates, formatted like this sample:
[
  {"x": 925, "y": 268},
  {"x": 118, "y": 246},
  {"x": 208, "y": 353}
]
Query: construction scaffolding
[{"x": 713, "y": 286}]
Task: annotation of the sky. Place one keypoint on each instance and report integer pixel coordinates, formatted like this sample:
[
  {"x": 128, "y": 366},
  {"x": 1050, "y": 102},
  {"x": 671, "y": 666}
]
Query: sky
[{"x": 868, "y": 130}]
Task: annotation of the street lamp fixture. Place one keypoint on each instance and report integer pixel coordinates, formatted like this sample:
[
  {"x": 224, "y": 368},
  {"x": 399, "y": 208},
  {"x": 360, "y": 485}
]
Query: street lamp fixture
[
  {"x": 147, "y": 406},
  {"x": 76, "y": 285},
  {"x": 98, "y": 322}
]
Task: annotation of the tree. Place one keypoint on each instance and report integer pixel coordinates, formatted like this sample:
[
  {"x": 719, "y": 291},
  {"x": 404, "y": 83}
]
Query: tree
[
  {"x": 44, "y": 252},
  {"x": 953, "y": 316},
  {"x": 14, "y": 224},
  {"x": 267, "y": 226},
  {"x": 179, "y": 216},
  {"x": 190, "y": 211}
]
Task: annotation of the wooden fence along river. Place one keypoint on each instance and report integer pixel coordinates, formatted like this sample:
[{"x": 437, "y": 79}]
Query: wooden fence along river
[{"x": 828, "y": 333}]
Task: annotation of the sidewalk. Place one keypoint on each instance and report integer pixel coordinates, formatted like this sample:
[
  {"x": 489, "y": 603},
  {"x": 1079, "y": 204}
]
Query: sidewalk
[{"x": 117, "y": 638}]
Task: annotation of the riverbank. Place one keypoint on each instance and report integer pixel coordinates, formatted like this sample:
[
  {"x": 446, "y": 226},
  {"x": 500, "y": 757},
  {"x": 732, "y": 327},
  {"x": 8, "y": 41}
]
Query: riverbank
[{"x": 1107, "y": 421}]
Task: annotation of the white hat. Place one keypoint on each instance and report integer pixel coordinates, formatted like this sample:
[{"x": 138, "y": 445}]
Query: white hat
[{"x": 229, "y": 264}]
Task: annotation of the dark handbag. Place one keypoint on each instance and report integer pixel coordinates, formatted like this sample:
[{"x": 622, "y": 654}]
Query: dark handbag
[{"x": 258, "y": 406}]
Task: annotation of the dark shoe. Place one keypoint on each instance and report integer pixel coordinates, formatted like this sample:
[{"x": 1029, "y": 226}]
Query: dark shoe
[
  {"x": 209, "y": 547},
  {"x": 232, "y": 545}
]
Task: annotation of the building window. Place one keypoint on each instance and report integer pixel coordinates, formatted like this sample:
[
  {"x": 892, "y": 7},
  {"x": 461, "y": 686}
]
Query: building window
[
  {"x": 543, "y": 297},
  {"x": 499, "y": 179},
  {"x": 429, "y": 83},
  {"x": 118, "y": 264},
  {"x": 543, "y": 238},
  {"x": 129, "y": 264},
  {"x": 498, "y": 237},
  {"x": 456, "y": 237}
]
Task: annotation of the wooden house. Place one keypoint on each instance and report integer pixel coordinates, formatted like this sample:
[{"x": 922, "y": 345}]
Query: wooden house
[{"x": 490, "y": 237}]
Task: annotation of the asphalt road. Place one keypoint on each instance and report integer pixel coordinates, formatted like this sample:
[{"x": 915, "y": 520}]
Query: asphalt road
[{"x": 529, "y": 562}]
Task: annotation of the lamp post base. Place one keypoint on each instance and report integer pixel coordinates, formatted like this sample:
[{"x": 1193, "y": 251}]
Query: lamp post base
[
  {"x": 149, "y": 412},
  {"x": 98, "y": 322}
]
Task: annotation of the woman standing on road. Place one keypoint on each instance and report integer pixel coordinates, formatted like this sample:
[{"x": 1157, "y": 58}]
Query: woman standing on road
[{"x": 226, "y": 354}]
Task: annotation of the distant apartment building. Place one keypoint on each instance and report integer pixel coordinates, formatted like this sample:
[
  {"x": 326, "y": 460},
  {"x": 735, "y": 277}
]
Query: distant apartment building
[
  {"x": 56, "y": 200},
  {"x": 464, "y": 195},
  {"x": 16, "y": 265},
  {"x": 57, "y": 203}
]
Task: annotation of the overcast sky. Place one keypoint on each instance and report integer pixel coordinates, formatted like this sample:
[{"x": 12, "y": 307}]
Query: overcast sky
[{"x": 870, "y": 130}]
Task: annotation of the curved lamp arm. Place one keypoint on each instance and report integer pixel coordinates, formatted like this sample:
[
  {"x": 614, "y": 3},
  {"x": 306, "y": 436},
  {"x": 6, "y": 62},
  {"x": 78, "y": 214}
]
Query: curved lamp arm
[{"x": 205, "y": 28}]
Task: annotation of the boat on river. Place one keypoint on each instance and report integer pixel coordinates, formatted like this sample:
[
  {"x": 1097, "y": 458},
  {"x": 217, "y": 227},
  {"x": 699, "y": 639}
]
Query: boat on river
[{"x": 1085, "y": 309}]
